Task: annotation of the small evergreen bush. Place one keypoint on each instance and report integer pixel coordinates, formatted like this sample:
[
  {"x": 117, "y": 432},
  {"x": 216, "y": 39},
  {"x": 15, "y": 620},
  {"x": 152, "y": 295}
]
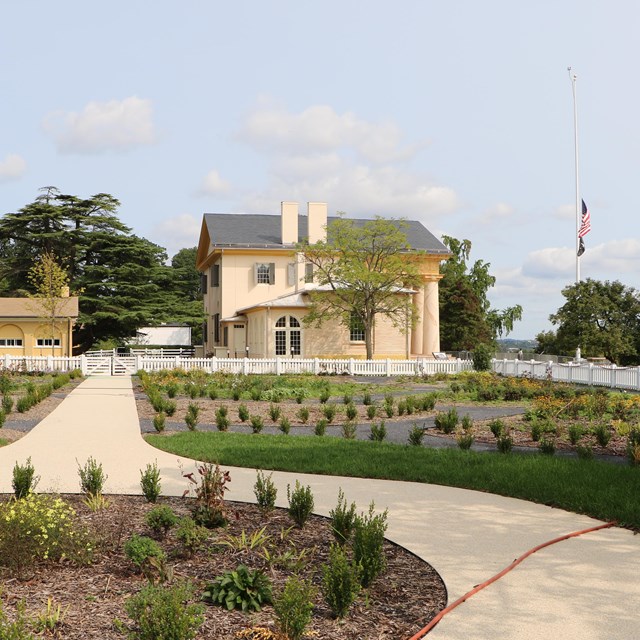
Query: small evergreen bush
[
  {"x": 150, "y": 482},
  {"x": 342, "y": 519},
  {"x": 92, "y": 477},
  {"x": 265, "y": 491},
  {"x": 160, "y": 519},
  {"x": 321, "y": 427},
  {"x": 24, "y": 479},
  {"x": 340, "y": 581},
  {"x": 378, "y": 431},
  {"x": 416, "y": 435},
  {"x": 447, "y": 422},
  {"x": 303, "y": 414},
  {"x": 368, "y": 540},
  {"x": 300, "y": 503},
  {"x": 163, "y": 612},
  {"x": 294, "y": 606},
  {"x": 159, "y": 422}
]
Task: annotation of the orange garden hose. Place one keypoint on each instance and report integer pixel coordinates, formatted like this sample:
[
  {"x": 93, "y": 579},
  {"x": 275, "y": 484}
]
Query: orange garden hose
[{"x": 514, "y": 564}]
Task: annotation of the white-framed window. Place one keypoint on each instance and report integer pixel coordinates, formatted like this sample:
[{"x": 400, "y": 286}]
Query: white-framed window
[
  {"x": 10, "y": 342},
  {"x": 48, "y": 342},
  {"x": 288, "y": 336},
  {"x": 356, "y": 328},
  {"x": 265, "y": 272}
]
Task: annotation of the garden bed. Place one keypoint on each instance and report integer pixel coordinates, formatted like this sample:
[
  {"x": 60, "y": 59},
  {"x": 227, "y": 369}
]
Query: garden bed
[{"x": 93, "y": 597}]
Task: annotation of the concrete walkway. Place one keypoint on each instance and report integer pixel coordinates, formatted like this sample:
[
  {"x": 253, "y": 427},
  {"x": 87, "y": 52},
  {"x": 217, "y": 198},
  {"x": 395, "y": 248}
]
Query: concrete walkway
[{"x": 586, "y": 588}]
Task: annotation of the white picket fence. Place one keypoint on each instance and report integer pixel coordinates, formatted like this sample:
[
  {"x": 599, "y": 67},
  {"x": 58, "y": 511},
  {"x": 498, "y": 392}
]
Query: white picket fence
[
  {"x": 317, "y": 366},
  {"x": 627, "y": 378},
  {"x": 108, "y": 363},
  {"x": 40, "y": 363}
]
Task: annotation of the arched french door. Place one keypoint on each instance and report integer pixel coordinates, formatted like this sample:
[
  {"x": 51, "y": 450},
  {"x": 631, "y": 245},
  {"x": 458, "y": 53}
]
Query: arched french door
[{"x": 288, "y": 336}]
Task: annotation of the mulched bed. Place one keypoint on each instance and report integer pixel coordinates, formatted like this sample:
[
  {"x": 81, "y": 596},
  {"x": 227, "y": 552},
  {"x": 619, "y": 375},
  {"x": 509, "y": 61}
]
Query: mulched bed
[{"x": 396, "y": 606}]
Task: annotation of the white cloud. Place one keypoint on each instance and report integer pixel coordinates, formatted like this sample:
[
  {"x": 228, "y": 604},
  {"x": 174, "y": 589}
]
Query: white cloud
[
  {"x": 498, "y": 213},
  {"x": 117, "y": 125},
  {"x": 566, "y": 212},
  {"x": 177, "y": 232},
  {"x": 319, "y": 129},
  {"x": 552, "y": 262},
  {"x": 12, "y": 167},
  {"x": 356, "y": 166},
  {"x": 213, "y": 184}
]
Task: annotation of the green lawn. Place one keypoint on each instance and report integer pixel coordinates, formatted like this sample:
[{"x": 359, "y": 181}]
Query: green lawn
[{"x": 601, "y": 490}]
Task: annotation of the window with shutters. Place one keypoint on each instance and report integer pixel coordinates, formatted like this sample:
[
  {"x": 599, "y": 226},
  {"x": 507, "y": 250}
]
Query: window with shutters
[
  {"x": 215, "y": 275},
  {"x": 265, "y": 273}
]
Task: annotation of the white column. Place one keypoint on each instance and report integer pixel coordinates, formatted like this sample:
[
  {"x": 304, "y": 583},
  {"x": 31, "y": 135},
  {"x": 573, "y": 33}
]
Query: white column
[
  {"x": 418, "y": 329},
  {"x": 431, "y": 318}
]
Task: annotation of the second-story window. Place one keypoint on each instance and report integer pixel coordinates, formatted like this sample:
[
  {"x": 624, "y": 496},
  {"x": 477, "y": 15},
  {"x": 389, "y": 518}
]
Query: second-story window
[
  {"x": 215, "y": 275},
  {"x": 265, "y": 272}
]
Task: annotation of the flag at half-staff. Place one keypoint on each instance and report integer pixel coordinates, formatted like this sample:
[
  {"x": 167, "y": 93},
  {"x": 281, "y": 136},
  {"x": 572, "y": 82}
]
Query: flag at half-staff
[{"x": 585, "y": 227}]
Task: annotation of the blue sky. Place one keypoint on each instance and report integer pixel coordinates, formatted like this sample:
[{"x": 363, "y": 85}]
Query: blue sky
[{"x": 458, "y": 114}]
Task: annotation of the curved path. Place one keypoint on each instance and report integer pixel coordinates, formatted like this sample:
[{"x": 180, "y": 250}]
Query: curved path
[{"x": 586, "y": 588}]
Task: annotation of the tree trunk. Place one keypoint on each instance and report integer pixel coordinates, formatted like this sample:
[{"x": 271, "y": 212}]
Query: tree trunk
[{"x": 368, "y": 338}]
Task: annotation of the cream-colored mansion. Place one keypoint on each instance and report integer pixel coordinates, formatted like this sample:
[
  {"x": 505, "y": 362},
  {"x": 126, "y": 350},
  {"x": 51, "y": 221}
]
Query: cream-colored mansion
[{"x": 256, "y": 288}]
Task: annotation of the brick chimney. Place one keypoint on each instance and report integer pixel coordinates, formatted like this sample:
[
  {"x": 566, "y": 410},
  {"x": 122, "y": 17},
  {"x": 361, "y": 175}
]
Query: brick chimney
[
  {"x": 289, "y": 222},
  {"x": 317, "y": 220}
]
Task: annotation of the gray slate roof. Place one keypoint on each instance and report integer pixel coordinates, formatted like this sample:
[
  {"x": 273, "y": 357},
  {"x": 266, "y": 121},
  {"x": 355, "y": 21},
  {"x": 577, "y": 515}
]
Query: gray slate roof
[{"x": 261, "y": 230}]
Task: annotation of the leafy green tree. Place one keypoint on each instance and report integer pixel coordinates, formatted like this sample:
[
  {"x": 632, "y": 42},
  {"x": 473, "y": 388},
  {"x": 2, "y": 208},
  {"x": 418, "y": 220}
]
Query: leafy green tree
[
  {"x": 51, "y": 284},
  {"x": 124, "y": 280},
  {"x": 602, "y": 318},
  {"x": 362, "y": 270},
  {"x": 466, "y": 316}
]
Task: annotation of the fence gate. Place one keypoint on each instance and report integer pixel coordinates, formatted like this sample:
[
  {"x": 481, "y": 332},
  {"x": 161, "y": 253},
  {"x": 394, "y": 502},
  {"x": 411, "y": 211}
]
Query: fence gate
[
  {"x": 123, "y": 365},
  {"x": 99, "y": 366}
]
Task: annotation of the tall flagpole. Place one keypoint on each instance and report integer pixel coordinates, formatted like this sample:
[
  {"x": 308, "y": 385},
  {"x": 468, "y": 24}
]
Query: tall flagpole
[{"x": 574, "y": 78}]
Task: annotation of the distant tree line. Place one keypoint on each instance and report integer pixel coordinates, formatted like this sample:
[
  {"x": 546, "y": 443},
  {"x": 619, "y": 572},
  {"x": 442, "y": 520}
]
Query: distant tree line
[{"x": 123, "y": 281}]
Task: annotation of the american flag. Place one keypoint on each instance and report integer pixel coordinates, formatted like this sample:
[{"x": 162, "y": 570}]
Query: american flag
[{"x": 585, "y": 225}]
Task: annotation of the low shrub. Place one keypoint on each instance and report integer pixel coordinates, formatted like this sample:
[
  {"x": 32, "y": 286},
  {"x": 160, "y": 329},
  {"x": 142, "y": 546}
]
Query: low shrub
[
  {"x": 169, "y": 407},
  {"x": 274, "y": 412},
  {"x": 243, "y": 589},
  {"x": 243, "y": 413},
  {"x": 303, "y": 414},
  {"x": 340, "y": 581},
  {"x": 402, "y": 407},
  {"x": 160, "y": 519},
  {"x": 190, "y": 534},
  {"x": 547, "y": 446},
  {"x": 150, "y": 482},
  {"x": 351, "y": 412},
  {"x": 584, "y": 451},
  {"x": 222, "y": 421},
  {"x": 378, "y": 431},
  {"x": 466, "y": 423},
  {"x": 24, "y": 479},
  {"x": 257, "y": 423},
  {"x": 209, "y": 487},
  {"x": 368, "y": 540},
  {"x": 38, "y": 528},
  {"x": 300, "y": 503},
  {"x": 342, "y": 519},
  {"x": 265, "y": 491},
  {"x": 324, "y": 396},
  {"x": 163, "y": 612},
  {"x": 141, "y": 549},
  {"x": 633, "y": 446},
  {"x": 349, "y": 430},
  {"x": 366, "y": 398},
  {"x": 575, "y": 433},
  {"x": 347, "y": 399},
  {"x": 329, "y": 412},
  {"x": 428, "y": 401},
  {"x": 321, "y": 427},
  {"x": 294, "y": 606},
  {"x": 7, "y": 404},
  {"x": 371, "y": 411},
  {"x": 92, "y": 477},
  {"x": 25, "y": 403},
  {"x": 416, "y": 435},
  {"x": 388, "y": 409},
  {"x": 465, "y": 440},
  {"x": 536, "y": 431},
  {"x": 602, "y": 433},
  {"x": 497, "y": 427},
  {"x": 285, "y": 425},
  {"x": 447, "y": 422},
  {"x": 505, "y": 443},
  {"x": 159, "y": 421}
]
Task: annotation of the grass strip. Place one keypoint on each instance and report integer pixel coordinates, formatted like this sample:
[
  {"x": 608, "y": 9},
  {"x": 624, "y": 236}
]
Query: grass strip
[
  {"x": 598, "y": 489},
  {"x": 3, "y": 442}
]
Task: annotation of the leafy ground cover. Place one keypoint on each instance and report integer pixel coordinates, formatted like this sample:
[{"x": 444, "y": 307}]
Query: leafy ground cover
[
  {"x": 90, "y": 599},
  {"x": 598, "y": 489}
]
